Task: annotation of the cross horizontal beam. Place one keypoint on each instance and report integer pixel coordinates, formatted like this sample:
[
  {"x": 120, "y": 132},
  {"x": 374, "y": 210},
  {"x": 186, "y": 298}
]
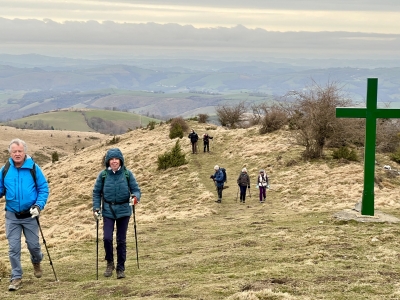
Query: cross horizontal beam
[{"x": 360, "y": 112}]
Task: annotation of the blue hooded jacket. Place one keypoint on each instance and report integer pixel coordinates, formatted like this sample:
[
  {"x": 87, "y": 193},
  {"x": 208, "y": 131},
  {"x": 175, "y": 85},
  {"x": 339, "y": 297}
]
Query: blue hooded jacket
[
  {"x": 117, "y": 189},
  {"x": 20, "y": 189}
]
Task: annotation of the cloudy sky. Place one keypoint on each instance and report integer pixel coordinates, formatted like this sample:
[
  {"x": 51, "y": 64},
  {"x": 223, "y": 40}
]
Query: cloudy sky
[{"x": 314, "y": 28}]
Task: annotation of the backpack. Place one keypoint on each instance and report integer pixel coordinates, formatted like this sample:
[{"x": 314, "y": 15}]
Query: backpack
[
  {"x": 7, "y": 167},
  {"x": 243, "y": 179},
  {"x": 224, "y": 172}
]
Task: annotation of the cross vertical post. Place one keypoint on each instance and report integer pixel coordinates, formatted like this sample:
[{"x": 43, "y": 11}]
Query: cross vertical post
[{"x": 370, "y": 113}]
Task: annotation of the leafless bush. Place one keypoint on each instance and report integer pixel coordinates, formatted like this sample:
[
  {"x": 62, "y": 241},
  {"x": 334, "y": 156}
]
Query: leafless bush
[
  {"x": 203, "y": 118},
  {"x": 313, "y": 113},
  {"x": 387, "y": 135},
  {"x": 180, "y": 121},
  {"x": 231, "y": 116},
  {"x": 270, "y": 117}
]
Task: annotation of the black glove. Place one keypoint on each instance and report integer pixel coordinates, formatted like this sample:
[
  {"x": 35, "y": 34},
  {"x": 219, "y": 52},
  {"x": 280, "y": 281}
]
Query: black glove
[{"x": 248, "y": 187}]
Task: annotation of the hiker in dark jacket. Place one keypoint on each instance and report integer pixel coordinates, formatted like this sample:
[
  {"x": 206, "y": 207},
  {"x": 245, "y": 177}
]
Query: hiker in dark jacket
[
  {"x": 206, "y": 142},
  {"x": 114, "y": 193},
  {"x": 263, "y": 184},
  {"x": 243, "y": 182},
  {"x": 26, "y": 192},
  {"x": 193, "y": 140}
]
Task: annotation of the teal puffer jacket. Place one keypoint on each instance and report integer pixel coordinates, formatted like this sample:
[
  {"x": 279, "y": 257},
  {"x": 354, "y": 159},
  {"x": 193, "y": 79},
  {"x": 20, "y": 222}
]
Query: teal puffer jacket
[{"x": 117, "y": 189}]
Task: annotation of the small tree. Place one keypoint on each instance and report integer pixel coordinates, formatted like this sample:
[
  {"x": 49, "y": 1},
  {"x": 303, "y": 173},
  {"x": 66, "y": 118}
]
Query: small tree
[
  {"x": 151, "y": 125},
  {"x": 231, "y": 116},
  {"x": 175, "y": 131},
  {"x": 173, "y": 158}
]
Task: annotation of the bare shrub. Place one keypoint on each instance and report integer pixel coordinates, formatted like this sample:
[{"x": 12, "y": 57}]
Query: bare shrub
[
  {"x": 179, "y": 121},
  {"x": 231, "y": 116},
  {"x": 203, "y": 118},
  {"x": 387, "y": 135},
  {"x": 313, "y": 113},
  {"x": 270, "y": 117}
]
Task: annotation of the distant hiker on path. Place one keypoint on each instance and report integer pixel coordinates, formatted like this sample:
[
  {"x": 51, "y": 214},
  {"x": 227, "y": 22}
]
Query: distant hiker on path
[
  {"x": 114, "y": 192},
  {"x": 26, "y": 192},
  {"x": 243, "y": 182},
  {"x": 193, "y": 140},
  {"x": 262, "y": 182},
  {"x": 206, "y": 142},
  {"x": 219, "y": 180}
]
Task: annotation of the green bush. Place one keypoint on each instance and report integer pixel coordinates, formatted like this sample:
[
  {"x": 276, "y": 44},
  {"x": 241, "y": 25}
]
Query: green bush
[
  {"x": 54, "y": 157},
  {"x": 175, "y": 131},
  {"x": 173, "y": 158},
  {"x": 396, "y": 156},
  {"x": 346, "y": 153},
  {"x": 151, "y": 125},
  {"x": 114, "y": 140}
]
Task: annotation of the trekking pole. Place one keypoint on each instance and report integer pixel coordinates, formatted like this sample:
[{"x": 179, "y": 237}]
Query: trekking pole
[
  {"x": 237, "y": 193},
  {"x": 249, "y": 193},
  {"x": 134, "y": 226},
  {"x": 97, "y": 249},
  {"x": 44, "y": 242}
]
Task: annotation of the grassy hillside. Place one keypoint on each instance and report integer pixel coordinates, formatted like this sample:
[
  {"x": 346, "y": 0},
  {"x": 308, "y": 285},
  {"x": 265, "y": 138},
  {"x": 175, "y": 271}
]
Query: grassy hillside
[
  {"x": 75, "y": 119},
  {"x": 190, "y": 247}
]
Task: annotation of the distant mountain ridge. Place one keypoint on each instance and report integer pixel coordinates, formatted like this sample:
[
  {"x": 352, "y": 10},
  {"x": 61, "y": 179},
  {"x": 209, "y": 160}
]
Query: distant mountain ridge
[{"x": 34, "y": 83}]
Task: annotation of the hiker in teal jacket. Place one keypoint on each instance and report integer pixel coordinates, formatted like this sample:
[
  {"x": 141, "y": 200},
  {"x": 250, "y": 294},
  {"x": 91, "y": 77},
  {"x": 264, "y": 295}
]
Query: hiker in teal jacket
[
  {"x": 26, "y": 197},
  {"x": 114, "y": 193}
]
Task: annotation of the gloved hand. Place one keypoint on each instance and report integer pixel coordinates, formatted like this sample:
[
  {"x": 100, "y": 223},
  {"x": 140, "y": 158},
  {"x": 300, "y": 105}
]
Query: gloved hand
[
  {"x": 248, "y": 187},
  {"x": 133, "y": 200},
  {"x": 34, "y": 211},
  {"x": 97, "y": 215},
  {"x": 268, "y": 186}
]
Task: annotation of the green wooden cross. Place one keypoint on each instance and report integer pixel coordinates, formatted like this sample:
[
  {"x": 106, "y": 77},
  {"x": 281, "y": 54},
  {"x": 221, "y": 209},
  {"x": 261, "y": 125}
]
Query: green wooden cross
[{"x": 370, "y": 113}]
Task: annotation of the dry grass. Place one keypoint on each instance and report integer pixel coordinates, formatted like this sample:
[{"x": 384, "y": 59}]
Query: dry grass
[{"x": 193, "y": 248}]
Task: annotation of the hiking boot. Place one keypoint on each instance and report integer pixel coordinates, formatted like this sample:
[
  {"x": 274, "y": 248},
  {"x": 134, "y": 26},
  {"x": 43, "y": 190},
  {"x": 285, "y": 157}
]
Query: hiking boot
[
  {"x": 15, "y": 284},
  {"x": 109, "y": 270},
  {"x": 218, "y": 201},
  {"x": 120, "y": 274},
  {"x": 37, "y": 270}
]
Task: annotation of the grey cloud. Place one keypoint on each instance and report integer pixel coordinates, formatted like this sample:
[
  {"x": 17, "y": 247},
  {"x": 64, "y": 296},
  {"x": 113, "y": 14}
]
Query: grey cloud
[
  {"x": 352, "y": 5},
  {"x": 239, "y": 39}
]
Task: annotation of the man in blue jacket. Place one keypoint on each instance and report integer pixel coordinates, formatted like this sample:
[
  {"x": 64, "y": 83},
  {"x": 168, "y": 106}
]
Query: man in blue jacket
[
  {"x": 218, "y": 178},
  {"x": 114, "y": 193},
  {"x": 25, "y": 199}
]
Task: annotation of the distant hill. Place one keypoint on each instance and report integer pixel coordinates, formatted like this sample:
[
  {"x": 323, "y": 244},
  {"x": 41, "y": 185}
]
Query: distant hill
[
  {"x": 167, "y": 88},
  {"x": 103, "y": 121}
]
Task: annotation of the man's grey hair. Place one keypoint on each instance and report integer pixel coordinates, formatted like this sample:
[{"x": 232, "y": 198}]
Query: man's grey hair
[{"x": 18, "y": 142}]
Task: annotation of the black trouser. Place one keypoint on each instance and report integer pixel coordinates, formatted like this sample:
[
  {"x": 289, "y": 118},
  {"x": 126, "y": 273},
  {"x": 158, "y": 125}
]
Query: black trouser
[
  {"x": 206, "y": 144},
  {"x": 242, "y": 192},
  {"x": 219, "y": 191}
]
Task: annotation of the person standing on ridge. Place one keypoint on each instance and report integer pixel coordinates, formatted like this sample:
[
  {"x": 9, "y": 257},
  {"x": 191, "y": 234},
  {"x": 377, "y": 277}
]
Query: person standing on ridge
[
  {"x": 243, "y": 182},
  {"x": 114, "y": 193},
  {"x": 26, "y": 192},
  {"x": 206, "y": 142},
  {"x": 219, "y": 180},
  {"x": 193, "y": 140},
  {"x": 262, "y": 182}
]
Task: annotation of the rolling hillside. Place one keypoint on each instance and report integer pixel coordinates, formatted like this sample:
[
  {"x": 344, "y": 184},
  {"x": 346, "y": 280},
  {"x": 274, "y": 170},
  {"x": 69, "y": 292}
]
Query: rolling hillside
[
  {"x": 168, "y": 88},
  {"x": 190, "y": 247},
  {"x": 105, "y": 121}
]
